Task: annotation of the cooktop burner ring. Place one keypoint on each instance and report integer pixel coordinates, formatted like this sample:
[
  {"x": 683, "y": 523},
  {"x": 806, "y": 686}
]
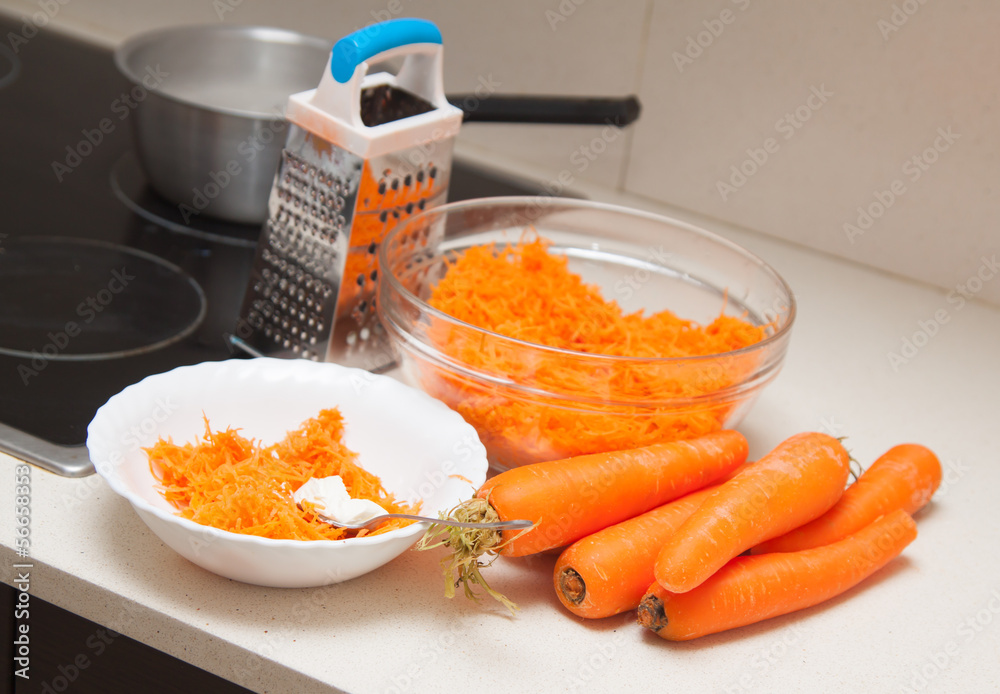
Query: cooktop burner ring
[
  {"x": 90, "y": 300},
  {"x": 131, "y": 187}
]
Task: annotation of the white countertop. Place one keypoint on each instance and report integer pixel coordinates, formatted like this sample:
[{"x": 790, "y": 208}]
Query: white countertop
[{"x": 906, "y": 629}]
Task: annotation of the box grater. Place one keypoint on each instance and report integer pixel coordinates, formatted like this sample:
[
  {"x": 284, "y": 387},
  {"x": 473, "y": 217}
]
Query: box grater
[{"x": 363, "y": 152}]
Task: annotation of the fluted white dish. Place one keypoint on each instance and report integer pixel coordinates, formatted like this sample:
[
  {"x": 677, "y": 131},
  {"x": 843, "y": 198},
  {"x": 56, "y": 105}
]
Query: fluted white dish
[{"x": 420, "y": 449}]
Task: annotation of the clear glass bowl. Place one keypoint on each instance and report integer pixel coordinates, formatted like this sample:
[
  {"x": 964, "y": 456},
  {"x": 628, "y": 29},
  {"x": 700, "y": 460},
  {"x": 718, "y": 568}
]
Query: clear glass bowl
[{"x": 531, "y": 402}]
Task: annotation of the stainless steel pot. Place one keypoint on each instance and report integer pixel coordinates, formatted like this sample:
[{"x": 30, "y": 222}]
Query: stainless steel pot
[{"x": 209, "y": 104}]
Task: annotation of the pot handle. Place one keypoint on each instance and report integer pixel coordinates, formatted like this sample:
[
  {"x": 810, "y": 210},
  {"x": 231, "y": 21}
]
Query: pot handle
[{"x": 418, "y": 40}]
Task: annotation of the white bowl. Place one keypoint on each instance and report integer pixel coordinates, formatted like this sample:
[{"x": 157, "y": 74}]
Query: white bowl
[{"x": 418, "y": 447}]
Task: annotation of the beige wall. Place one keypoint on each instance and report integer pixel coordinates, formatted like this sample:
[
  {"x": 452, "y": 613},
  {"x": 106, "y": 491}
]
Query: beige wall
[{"x": 890, "y": 104}]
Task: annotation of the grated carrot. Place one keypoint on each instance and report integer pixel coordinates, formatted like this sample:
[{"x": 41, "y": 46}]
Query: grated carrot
[
  {"x": 229, "y": 482},
  {"x": 523, "y": 291}
]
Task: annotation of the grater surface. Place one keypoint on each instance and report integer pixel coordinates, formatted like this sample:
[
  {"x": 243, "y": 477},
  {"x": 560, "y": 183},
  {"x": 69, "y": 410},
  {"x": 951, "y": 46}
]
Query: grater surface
[
  {"x": 312, "y": 288},
  {"x": 290, "y": 302},
  {"x": 393, "y": 187}
]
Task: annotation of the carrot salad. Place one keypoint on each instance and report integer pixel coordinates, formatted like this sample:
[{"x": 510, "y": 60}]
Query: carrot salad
[
  {"x": 525, "y": 292},
  {"x": 227, "y": 481}
]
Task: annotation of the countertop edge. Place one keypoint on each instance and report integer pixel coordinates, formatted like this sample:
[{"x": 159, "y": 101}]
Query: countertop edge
[{"x": 155, "y": 628}]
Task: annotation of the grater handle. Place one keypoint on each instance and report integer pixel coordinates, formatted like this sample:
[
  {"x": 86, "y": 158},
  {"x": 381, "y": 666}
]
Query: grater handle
[
  {"x": 364, "y": 44},
  {"x": 418, "y": 40}
]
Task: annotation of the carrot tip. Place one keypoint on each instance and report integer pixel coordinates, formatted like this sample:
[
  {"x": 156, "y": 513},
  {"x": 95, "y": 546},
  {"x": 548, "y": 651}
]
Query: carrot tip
[
  {"x": 651, "y": 613},
  {"x": 572, "y": 586}
]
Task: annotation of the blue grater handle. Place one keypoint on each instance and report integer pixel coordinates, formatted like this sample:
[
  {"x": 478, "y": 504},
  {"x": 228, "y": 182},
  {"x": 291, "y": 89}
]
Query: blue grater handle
[{"x": 356, "y": 48}]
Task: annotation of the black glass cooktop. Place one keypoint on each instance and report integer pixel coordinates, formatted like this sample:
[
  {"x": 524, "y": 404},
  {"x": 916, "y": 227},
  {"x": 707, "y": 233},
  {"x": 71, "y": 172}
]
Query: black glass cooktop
[{"x": 101, "y": 282}]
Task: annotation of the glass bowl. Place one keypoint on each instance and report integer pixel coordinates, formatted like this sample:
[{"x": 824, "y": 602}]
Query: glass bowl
[{"x": 531, "y": 402}]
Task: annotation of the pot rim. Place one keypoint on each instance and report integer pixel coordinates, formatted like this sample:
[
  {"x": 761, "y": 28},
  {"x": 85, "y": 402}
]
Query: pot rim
[{"x": 125, "y": 50}]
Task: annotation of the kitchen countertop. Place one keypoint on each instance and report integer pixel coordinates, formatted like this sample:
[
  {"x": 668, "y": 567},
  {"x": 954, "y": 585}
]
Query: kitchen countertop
[{"x": 930, "y": 621}]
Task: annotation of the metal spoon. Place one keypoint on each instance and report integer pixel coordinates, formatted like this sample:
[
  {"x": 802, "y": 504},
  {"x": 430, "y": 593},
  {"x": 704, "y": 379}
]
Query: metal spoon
[{"x": 505, "y": 525}]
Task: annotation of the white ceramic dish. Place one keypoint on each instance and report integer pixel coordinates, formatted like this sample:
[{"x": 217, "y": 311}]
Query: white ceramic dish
[{"x": 415, "y": 444}]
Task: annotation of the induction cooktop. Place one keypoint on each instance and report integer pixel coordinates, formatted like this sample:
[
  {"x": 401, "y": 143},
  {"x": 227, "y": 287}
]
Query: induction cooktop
[{"x": 102, "y": 282}]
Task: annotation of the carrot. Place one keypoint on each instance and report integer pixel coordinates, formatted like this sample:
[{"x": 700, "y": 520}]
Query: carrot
[
  {"x": 751, "y": 589},
  {"x": 905, "y": 477},
  {"x": 575, "y": 497},
  {"x": 572, "y": 498},
  {"x": 796, "y": 482},
  {"x": 607, "y": 573}
]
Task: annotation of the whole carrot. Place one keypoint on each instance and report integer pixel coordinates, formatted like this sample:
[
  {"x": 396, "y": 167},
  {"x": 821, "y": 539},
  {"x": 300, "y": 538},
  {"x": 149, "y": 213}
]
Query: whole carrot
[
  {"x": 753, "y": 588},
  {"x": 572, "y": 498},
  {"x": 905, "y": 477},
  {"x": 607, "y": 573},
  {"x": 796, "y": 482}
]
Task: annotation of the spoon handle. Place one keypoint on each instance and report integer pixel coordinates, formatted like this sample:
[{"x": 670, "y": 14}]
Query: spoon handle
[{"x": 506, "y": 525}]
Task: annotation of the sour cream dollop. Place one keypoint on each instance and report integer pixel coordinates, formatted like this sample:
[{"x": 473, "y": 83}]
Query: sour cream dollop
[{"x": 332, "y": 501}]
